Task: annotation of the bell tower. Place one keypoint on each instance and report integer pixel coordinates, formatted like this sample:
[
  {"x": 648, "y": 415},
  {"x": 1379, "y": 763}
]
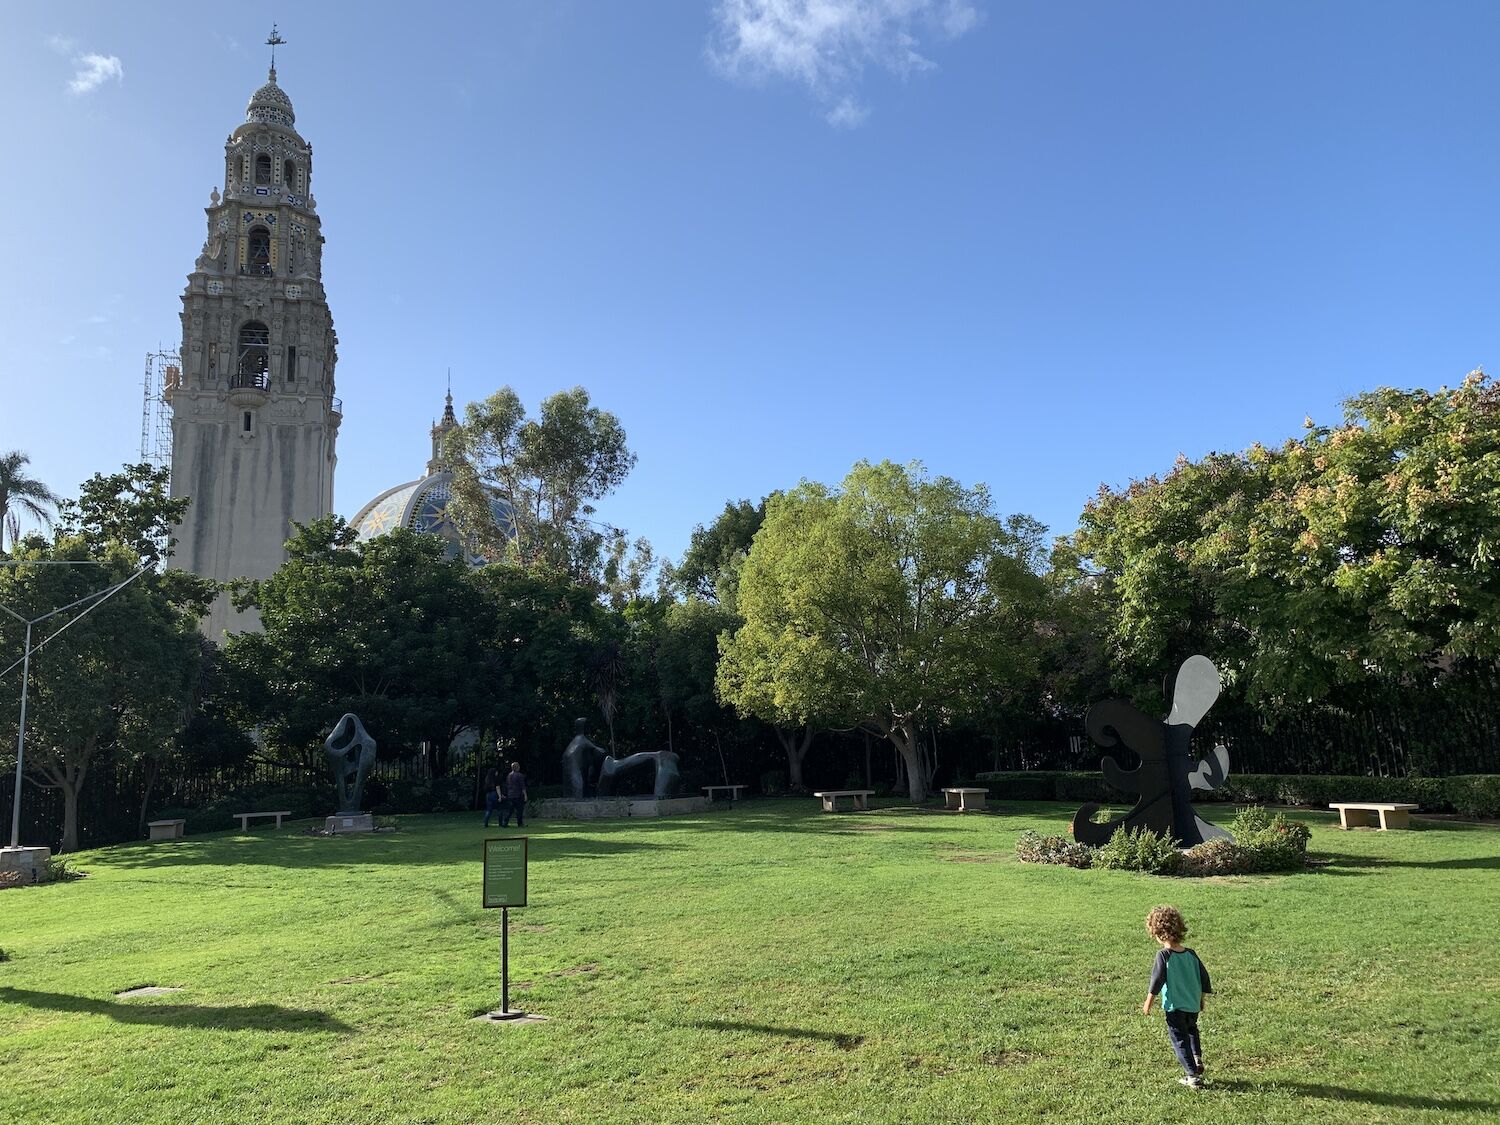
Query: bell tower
[{"x": 254, "y": 417}]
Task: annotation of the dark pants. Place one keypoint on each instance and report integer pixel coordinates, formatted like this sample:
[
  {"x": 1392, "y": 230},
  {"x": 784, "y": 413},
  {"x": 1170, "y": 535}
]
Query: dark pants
[
  {"x": 515, "y": 805},
  {"x": 1182, "y": 1030},
  {"x": 491, "y": 806}
]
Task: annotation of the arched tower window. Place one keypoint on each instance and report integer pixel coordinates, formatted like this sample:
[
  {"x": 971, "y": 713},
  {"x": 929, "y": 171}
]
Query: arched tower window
[
  {"x": 263, "y": 170},
  {"x": 258, "y": 260},
  {"x": 254, "y": 355},
  {"x": 289, "y": 175}
]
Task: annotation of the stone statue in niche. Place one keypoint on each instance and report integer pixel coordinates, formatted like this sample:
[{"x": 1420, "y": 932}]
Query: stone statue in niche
[
  {"x": 1167, "y": 774},
  {"x": 351, "y": 753}
]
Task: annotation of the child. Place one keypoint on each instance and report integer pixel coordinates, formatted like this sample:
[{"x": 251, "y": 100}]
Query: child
[{"x": 1183, "y": 982}]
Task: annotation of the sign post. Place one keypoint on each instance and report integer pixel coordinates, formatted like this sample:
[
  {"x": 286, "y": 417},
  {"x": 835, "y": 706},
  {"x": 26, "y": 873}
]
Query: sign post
[{"x": 504, "y": 887}]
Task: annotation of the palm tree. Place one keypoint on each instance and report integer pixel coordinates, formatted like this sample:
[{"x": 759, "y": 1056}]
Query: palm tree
[{"x": 22, "y": 493}]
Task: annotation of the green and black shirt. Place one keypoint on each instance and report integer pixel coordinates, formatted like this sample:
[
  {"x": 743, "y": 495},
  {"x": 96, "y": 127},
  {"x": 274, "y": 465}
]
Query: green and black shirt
[{"x": 1181, "y": 979}]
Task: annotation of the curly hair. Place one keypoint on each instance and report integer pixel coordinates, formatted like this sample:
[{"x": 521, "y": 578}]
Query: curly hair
[{"x": 1165, "y": 923}]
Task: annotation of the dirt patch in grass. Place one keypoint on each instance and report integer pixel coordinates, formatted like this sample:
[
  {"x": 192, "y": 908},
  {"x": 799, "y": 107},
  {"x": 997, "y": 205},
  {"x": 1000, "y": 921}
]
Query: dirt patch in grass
[{"x": 575, "y": 971}]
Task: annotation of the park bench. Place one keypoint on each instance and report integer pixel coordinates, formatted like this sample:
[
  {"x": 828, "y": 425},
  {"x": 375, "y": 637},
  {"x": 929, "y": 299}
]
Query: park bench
[
  {"x": 167, "y": 829},
  {"x": 1367, "y": 814},
  {"x": 965, "y": 799},
  {"x": 859, "y": 797},
  {"x": 734, "y": 791},
  {"x": 245, "y": 818}
]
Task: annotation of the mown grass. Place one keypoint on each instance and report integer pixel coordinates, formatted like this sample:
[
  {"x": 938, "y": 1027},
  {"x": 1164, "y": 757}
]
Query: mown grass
[{"x": 766, "y": 964}]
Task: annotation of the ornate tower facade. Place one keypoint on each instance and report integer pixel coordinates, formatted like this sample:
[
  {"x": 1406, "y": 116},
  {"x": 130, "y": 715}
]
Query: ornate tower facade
[{"x": 254, "y": 417}]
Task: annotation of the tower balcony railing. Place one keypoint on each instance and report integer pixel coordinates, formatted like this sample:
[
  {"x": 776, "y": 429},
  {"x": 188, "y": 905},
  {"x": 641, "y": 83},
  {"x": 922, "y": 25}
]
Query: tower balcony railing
[
  {"x": 249, "y": 380},
  {"x": 336, "y": 404}
]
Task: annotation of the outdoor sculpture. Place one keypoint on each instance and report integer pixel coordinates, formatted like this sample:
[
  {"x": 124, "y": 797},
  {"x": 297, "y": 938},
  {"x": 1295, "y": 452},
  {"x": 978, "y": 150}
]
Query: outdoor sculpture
[
  {"x": 1167, "y": 774},
  {"x": 580, "y": 759},
  {"x": 592, "y": 767},
  {"x": 668, "y": 772},
  {"x": 351, "y": 760}
]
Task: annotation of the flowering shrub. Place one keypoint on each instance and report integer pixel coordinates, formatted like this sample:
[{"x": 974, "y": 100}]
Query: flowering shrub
[
  {"x": 1216, "y": 857},
  {"x": 1032, "y": 847}
]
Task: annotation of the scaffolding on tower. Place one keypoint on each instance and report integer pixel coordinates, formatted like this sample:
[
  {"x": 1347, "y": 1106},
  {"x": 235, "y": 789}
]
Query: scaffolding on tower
[{"x": 163, "y": 374}]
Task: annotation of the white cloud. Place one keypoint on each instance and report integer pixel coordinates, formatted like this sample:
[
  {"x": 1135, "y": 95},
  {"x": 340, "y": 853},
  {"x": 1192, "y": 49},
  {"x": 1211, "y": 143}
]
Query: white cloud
[
  {"x": 826, "y": 45},
  {"x": 94, "y": 71},
  {"x": 61, "y": 44}
]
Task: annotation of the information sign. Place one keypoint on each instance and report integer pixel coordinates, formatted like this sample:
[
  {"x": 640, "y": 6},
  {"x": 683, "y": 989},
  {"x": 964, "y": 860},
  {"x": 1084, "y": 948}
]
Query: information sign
[{"x": 505, "y": 871}]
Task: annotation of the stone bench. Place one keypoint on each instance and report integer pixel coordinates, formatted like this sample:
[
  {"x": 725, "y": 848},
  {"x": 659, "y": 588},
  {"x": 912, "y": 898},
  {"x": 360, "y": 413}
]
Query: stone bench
[
  {"x": 246, "y": 817},
  {"x": 1372, "y": 814},
  {"x": 965, "y": 799},
  {"x": 860, "y": 798},
  {"x": 734, "y": 791},
  {"x": 167, "y": 829}
]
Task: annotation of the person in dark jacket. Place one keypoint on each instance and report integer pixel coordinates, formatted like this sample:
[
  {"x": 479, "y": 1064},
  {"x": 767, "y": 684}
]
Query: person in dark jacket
[
  {"x": 492, "y": 797},
  {"x": 515, "y": 797}
]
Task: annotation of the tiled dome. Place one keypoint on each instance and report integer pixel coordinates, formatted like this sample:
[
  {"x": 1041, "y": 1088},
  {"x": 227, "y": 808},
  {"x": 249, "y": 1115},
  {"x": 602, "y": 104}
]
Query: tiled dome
[
  {"x": 270, "y": 105},
  {"x": 422, "y": 505}
]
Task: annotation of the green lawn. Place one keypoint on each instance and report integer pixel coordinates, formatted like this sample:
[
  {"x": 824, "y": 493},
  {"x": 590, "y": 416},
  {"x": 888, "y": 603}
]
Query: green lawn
[{"x": 769, "y": 964}]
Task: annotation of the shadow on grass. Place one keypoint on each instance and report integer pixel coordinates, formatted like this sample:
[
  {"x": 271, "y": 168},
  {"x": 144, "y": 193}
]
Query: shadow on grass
[
  {"x": 838, "y": 1039},
  {"x": 1369, "y": 864},
  {"x": 1345, "y": 1094},
  {"x": 252, "y": 1017},
  {"x": 347, "y": 851}
]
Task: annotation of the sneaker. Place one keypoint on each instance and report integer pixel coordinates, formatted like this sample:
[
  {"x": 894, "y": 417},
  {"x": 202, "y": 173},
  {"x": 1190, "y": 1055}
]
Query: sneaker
[{"x": 1191, "y": 1081}]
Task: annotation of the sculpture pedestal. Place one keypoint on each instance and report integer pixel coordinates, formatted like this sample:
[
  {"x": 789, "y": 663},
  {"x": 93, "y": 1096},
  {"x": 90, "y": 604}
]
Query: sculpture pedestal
[
  {"x": 30, "y": 862},
  {"x": 593, "y": 808},
  {"x": 339, "y": 823}
]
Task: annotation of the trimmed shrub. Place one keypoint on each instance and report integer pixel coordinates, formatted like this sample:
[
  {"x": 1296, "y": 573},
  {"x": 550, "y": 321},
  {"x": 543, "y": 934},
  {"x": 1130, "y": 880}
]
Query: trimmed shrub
[
  {"x": 1033, "y": 847},
  {"x": 1467, "y": 794},
  {"x": 1139, "y": 849},
  {"x": 1474, "y": 794}
]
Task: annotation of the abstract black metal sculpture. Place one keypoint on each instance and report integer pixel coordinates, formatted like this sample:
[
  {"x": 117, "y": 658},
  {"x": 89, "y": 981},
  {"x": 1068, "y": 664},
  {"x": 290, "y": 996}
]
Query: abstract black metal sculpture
[
  {"x": 581, "y": 760},
  {"x": 668, "y": 774},
  {"x": 351, "y": 761},
  {"x": 1167, "y": 774}
]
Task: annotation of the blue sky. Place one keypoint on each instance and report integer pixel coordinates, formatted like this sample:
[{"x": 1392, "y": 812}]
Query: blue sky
[{"x": 1040, "y": 245}]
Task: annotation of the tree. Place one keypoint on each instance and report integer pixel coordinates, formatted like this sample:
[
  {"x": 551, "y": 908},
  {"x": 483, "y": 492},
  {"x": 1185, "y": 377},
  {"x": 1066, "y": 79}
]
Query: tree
[
  {"x": 714, "y": 552},
  {"x": 389, "y": 629},
  {"x": 111, "y": 681},
  {"x": 890, "y": 604},
  {"x": 549, "y": 469},
  {"x": 1357, "y": 554},
  {"x": 20, "y": 493}
]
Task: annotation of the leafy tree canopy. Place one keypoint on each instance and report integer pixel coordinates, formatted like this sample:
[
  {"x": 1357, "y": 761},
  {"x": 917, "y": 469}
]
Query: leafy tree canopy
[{"x": 891, "y": 604}]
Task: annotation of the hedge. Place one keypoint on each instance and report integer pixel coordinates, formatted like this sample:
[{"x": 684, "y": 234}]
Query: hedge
[{"x": 1475, "y": 794}]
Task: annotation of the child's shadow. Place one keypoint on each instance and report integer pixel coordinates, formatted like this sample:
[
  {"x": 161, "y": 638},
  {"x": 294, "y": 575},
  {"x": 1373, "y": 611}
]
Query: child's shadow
[{"x": 1344, "y": 1094}]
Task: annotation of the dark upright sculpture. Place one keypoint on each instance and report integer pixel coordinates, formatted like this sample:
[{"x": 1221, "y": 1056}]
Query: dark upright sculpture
[
  {"x": 1167, "y": 774},
  {"x": 581, "y": 760},
  {"x": 351, "y": 761},
  {"x": 668, "y": 778}
]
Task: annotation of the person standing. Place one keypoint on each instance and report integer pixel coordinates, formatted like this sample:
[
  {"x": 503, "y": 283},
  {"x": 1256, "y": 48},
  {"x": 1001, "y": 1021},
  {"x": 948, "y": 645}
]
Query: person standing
[
  {"x": 492, "y": 800},
  {"x": 1182, "y": 981},
  {"x": 515, "y": 794}
]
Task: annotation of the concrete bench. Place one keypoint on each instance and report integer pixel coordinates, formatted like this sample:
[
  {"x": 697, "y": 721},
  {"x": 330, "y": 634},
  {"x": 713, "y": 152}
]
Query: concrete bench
[
  {"x": 734, "y": 791},
  {"x": 860, "y": 799},
  {"x": 1370, "y": 814},
  {"x": 246, "y": 817},
  {"x": 167, "y": 829},
  {"x": 965, "y": 800}
]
